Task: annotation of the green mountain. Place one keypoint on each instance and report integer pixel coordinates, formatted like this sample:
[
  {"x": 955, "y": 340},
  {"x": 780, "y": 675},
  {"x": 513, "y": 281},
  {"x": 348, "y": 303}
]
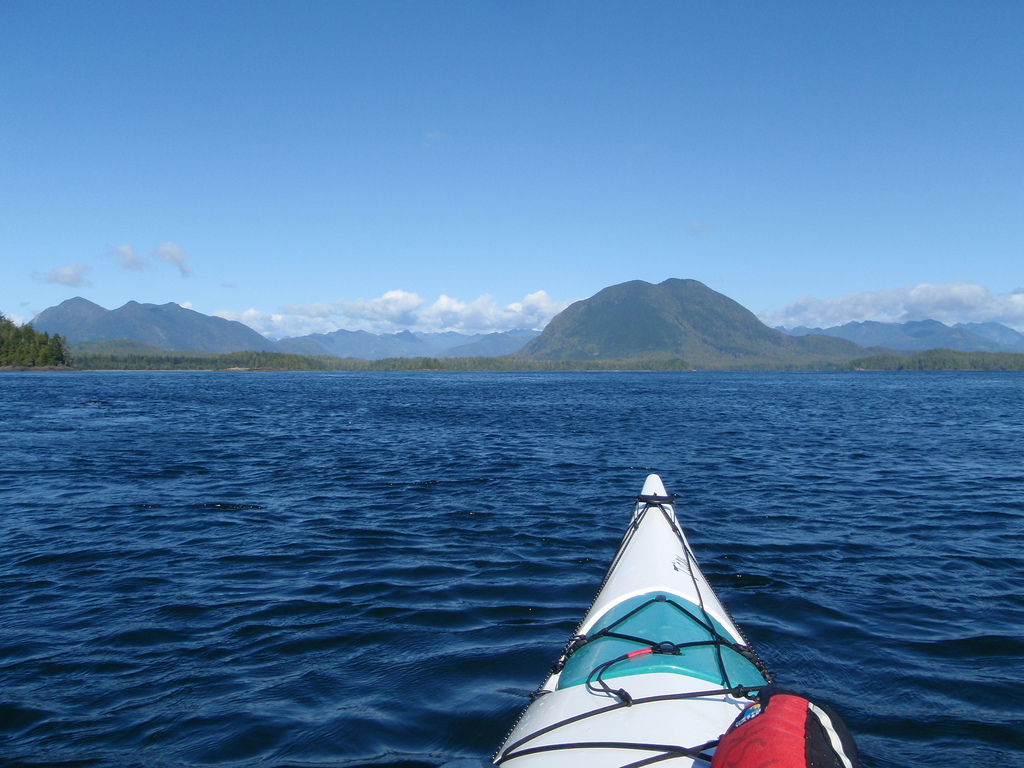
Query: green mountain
[
  {"x": 677, "y": 319},
  {"x": 166, "y": 326},
  {"x": 69, "y": 316}
]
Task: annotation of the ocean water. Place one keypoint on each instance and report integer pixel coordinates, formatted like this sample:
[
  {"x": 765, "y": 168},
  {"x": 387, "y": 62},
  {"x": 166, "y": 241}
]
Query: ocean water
[{"x": 338, "y": 569}]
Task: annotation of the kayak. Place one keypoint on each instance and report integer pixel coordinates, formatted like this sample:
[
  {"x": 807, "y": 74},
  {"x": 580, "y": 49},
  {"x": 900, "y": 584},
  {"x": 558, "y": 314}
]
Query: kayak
[{"x": 657, "y": 670}]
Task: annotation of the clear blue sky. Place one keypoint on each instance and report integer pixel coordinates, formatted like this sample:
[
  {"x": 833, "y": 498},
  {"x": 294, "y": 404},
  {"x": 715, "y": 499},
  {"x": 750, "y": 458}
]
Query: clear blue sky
[{"x": 308, "y": 166}]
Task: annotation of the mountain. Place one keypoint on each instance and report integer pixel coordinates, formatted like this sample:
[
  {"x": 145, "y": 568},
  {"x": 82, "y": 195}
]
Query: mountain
[
  {"x": 919, "y": 335},
  {"x": 69, "y": 316},
  {"x": 167, "y": 326},
  {"x": 371, "y": 346},
  {"x": 675, "y": 319},
  {"x": 361, "y": 344},
  {"x": 493, "y": 344},
  {"x": 996, "y": 332}
]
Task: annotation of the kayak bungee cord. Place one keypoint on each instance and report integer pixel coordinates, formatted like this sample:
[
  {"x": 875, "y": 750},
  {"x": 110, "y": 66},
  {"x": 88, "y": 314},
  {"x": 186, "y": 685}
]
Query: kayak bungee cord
[
  {"x": 595, "y": 682},
  {"x": 577, "y": 641},
  {"x": 667, "y": 751},
  {"x": 513, "y": 751},
  {"x": 651, "y": 646}
]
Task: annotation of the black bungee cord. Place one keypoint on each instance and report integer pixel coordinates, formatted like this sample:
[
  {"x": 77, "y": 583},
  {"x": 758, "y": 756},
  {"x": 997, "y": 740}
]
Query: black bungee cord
[{"x": 596, "y": 684}]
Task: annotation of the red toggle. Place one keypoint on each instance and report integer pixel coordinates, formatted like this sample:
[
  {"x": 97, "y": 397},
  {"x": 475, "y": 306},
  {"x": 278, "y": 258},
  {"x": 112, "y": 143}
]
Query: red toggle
[{"x": 640, "y": 652}]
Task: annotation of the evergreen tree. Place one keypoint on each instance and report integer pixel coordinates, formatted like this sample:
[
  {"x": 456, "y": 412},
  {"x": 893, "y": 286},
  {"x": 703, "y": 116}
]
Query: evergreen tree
[{"x": 27, "y": 347}]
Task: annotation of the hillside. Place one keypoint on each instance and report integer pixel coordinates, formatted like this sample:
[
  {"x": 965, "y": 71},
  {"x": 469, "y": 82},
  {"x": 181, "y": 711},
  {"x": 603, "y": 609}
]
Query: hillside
[{"x": 676, "y": 319}]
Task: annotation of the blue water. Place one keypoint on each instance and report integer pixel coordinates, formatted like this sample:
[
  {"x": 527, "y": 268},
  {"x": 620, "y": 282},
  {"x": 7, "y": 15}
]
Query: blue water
[{"x": 253, "y": 569}]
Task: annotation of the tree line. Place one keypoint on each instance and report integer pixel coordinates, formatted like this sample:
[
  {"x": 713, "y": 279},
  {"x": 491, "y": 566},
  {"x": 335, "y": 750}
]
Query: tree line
[
  {"x": 25, "y": 347},
  {"x": 281, "y": 361},
  {"x": 940, "y": 360}
]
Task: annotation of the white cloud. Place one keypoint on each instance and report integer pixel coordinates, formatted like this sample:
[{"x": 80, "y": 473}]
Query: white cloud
[
  {"x": 71, "y": 274},
  {"x": 186, "y": 304},
  {"x": 125, "y": 256},
  {"x": 952, "y": 303},
  {"x": 395, "y": 309},
  {"x": 400, "y": 310},
  {"x": 484, "y": 315},
  {"x": 172, "y": 253},
  {"x": 270, "y": 325}
]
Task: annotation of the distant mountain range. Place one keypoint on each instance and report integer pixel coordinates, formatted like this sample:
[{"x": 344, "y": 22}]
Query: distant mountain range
[
  {"x": 371, "y": 346},
  {"x": 674, "y": 320},
  {"x": 919, "y": 335},
  {"x": 171, "y": 327}
]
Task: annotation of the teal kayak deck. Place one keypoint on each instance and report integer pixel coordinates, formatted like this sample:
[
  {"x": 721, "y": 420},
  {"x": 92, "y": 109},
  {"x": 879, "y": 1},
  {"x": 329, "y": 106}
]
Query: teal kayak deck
[{"x": 646, "y": 620}]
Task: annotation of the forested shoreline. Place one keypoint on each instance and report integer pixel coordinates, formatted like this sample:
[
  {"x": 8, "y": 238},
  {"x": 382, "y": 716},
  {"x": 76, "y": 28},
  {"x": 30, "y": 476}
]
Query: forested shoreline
[
  {"x": 940, "y": 360},
  {"x": 25, "y": 347},
  {"x": 932, "y": 360},
  {"x": 278, "y": 361}
]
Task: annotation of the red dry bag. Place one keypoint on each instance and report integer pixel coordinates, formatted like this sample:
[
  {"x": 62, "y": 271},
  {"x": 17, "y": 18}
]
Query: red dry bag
[{"x": 785, "y": 730}]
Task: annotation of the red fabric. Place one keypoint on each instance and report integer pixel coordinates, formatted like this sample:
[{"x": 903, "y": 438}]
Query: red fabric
[{"x": 776, "y": 737}]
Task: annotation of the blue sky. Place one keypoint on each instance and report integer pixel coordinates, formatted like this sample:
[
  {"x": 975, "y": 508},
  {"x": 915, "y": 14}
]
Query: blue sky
[{"x": 475, "y": 166}]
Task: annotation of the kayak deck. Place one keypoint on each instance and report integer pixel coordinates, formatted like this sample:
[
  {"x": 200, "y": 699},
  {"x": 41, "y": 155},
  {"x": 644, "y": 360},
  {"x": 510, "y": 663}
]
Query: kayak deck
[{"x": 657, "y": 669}]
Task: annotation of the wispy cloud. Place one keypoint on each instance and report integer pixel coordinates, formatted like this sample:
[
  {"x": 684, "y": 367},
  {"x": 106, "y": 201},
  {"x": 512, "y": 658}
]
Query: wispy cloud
[
  {"x": 401, "y": 310},
  {"x": 71, "y": 274},
  {"x": 125, "y": 256},
  {"x": 171, "y": 253},
  {"x": 959, "y": 302},
  {"x": 698, "y": 228}
]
